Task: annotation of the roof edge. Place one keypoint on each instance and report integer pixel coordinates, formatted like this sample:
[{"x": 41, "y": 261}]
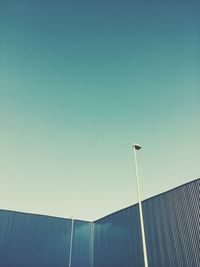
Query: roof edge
[{"x": 165, "y": 192}]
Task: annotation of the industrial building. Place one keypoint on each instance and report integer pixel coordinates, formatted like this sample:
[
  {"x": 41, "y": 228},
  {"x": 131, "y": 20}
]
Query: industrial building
[{"x": 172, "y": 229}]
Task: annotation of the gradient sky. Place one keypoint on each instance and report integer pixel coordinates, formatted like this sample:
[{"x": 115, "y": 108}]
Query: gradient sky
[{"x": 80, "y": 81}]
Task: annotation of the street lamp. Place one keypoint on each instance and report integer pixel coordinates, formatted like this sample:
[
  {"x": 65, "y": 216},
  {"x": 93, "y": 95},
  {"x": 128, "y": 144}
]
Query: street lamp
[{"x": 138, "y": 147}]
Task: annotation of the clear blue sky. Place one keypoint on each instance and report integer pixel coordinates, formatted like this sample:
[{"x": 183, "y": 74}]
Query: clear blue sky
[{"x": 80, "y": 81}]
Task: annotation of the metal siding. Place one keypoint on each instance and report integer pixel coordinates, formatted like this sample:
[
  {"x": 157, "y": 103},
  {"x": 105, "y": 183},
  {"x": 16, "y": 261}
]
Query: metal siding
[
  {"x": 172, "y": 229},
  {"x": 117, "y": 240},
  {"x": 33, "y": 240}
]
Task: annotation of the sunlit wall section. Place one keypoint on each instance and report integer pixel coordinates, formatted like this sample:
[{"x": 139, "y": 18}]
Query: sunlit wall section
[{"x": 82, "y": 246}]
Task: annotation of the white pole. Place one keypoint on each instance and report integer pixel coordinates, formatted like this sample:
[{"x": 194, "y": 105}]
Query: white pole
[
  {"x": 140, "y": 207},
  {"x": 92, "y": 244},
  {"x": 71, "y": 243}
]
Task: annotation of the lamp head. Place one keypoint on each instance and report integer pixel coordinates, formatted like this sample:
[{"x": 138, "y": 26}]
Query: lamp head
[{"x": 137, "y": 147}]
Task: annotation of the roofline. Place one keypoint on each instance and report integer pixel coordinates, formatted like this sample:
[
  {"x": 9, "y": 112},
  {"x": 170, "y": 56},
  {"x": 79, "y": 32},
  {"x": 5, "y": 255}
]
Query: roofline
[
  {"x": 43, "y": 215},
  {"x": 51, "y": 216},
  {"x": 165, "y": 192}
]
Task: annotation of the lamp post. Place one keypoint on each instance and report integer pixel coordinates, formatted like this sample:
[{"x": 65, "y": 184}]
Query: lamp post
[{"x": 138, "y": 147}]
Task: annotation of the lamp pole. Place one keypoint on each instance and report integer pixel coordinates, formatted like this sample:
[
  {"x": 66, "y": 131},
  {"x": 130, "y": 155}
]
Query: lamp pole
[
  {"x": 138, "y": 147},
  {"x": 71, "y": 242}
]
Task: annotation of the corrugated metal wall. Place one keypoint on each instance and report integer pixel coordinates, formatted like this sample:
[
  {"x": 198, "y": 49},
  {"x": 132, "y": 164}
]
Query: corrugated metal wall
[
  {"x": 118, "y": 240},
  {"x": 172, "y": 223},
  {"x": 28, "y": 240},
  {"x": 172, "y": 226}
]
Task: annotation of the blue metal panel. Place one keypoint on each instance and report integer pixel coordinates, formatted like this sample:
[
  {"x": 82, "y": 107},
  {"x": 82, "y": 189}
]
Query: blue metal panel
[
  {"x": 172, "y": 229},
  {"x": 43, "y": 241},
  {"x": 33, "y": 240},
  {"x": 118, "y": 240},
  {"x": 172, "y": 226}
]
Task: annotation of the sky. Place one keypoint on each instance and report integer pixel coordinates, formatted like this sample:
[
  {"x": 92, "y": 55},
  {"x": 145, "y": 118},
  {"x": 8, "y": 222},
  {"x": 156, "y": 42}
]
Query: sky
[{"x": 80, "y": 82}]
